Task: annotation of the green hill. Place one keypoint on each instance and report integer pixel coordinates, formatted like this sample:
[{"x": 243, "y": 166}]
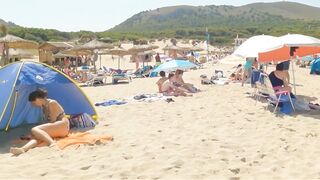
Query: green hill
[{"x": 223, "y": 23}]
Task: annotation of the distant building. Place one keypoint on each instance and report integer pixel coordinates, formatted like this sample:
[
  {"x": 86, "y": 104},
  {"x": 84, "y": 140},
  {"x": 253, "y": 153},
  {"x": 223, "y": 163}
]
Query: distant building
[{"x": 48, "y": 49}]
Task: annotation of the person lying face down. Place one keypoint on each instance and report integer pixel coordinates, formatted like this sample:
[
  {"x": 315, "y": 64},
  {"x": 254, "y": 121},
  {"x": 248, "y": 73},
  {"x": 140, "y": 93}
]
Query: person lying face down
[{"x": 54, "y": 125}]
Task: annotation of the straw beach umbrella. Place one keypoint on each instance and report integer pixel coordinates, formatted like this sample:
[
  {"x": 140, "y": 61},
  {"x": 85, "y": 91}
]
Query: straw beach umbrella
[
  {"x": 10, "y": 41},
  {"x": 118, "y": 51},
  {"x": 140, "y": 48},
  {"x": 91, "y": 46}
]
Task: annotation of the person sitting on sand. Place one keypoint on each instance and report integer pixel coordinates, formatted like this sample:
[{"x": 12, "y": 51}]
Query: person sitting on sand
[
  {"x": 161, "y": 80},
  {"x": 238, "y": 72},
  {"x": 56, "y": 125},
  {"x": 169, "y": 89},
  {"x": 179, "y": 82}
]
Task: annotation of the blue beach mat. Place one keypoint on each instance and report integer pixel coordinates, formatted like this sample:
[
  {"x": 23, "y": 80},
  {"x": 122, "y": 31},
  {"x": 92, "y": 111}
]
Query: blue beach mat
[{"x": 110, "y": 103}]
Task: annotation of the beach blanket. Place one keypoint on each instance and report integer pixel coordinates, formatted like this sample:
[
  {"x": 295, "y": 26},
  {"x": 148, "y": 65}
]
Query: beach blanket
[
  {"x": 221, "y": 81},
  {"x": 82, "y": 138},
  {"x": 110, "y": 103}
]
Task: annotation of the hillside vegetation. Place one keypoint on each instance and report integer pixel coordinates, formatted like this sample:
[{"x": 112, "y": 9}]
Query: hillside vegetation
[{"x": 223, "y": 23}]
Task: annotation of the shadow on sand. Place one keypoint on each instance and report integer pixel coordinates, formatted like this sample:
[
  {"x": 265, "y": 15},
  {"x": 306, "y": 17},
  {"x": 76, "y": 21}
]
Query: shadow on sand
[
  {"x": 12, "y": 138},
  {"x": 311, "y": 114}
]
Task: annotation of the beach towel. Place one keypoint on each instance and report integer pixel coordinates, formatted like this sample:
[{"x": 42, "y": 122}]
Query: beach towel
[
  {"x": 110, "y": 103},
  {"x": 82, "y": 138},
  {"x": 76, "y": 138},
  {"x": 150, "y": 97}
]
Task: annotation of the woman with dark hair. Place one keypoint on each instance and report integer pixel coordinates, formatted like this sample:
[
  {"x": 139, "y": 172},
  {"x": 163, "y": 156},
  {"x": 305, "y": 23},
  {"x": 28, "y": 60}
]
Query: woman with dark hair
[
  {"x": 56, "y": 125},
  {"x": 279, "y": 78}
]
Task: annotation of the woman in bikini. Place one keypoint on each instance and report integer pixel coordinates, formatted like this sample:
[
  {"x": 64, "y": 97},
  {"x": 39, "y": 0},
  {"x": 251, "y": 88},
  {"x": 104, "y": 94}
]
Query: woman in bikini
[
  {"x": 169, "y": 89},
  {"x": 56, "y": 125}
]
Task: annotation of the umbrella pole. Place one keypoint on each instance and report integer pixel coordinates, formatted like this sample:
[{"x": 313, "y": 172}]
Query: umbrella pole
[
  {"x": 119, "y": 62},
  {"x": 293, "y": 77},
  {"x": 100, "y": 61}
]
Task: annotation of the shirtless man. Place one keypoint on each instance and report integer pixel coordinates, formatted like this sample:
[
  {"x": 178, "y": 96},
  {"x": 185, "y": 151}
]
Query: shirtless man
[{"x": 161, "y": 80}]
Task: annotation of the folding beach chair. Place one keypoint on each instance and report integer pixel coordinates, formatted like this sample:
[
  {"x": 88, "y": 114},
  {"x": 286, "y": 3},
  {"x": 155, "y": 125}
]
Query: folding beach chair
[{"x": 264, "y": 89}]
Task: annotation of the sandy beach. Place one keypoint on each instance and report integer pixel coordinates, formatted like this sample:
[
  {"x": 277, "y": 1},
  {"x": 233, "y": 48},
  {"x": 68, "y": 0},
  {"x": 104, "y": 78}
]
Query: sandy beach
[{"x": 218, "y": 133}]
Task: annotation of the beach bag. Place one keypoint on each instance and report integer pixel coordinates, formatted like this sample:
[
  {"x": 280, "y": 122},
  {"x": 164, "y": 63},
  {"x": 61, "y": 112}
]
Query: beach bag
[
  {"x": 83, "y": 121},
  {"x": 300, "y": 105}
]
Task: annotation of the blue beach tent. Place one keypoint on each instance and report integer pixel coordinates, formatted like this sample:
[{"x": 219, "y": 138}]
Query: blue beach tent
[
  {"x": 18, "y": 80},
  {"x": 315, "y": 67}
]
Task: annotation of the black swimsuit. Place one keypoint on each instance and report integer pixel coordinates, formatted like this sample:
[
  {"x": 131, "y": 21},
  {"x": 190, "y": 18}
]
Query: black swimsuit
[{"x": 275, "y": 81}]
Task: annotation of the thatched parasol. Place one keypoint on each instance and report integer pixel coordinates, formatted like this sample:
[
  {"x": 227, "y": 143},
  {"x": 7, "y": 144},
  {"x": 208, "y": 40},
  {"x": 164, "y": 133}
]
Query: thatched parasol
[
  {"x": 10, "y": 41},
  {"x": 193, "y": 48},
  {"x": 118, "y": 51},
  {"x": 173, "y": 47},
  {"x": 150, "y": 52},
  {"x": 90, "y": 46},
  {"x": 141, "y": 48}
]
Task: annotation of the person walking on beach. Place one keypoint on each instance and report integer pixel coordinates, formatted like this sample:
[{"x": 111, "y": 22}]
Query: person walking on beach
[
  {"x": 158, "y": 60},
  {"x": 247, "y": 68}
]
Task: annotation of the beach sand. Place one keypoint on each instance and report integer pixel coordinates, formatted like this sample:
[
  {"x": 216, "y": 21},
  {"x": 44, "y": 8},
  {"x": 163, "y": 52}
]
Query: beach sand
[{"x": 219, "y": 133}]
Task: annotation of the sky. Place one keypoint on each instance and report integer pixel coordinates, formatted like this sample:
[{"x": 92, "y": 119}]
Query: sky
[{"x": 95, "y": 15}]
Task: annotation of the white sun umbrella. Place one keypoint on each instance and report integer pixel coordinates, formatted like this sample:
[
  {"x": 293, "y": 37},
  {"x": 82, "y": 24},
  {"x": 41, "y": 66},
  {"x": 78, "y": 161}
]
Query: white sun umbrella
[
  {"x": 306, "y": 45},
  {"x": 298, "y": 40},
  {"x": 261, "y": 43}
]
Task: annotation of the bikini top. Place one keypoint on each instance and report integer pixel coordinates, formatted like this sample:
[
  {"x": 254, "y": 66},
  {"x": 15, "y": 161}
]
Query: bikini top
[{"x": 46, "y": 112}]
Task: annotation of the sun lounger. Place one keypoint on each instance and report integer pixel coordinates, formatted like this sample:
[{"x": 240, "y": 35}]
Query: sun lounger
[
  {"x": 120, "y": 77},
  {"x": 96, "y": 80}
]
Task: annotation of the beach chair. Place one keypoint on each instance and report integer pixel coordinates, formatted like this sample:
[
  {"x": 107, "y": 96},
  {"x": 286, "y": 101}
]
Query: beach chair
[
  {"x": 96, "y": 80},
  {"x": 121, "y": 76},
  {"x": 264, "y": 89}
]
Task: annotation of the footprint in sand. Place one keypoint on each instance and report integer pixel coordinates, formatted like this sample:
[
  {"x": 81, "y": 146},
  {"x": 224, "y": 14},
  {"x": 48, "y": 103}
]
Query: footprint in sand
[
  {"x": 85, "y": 167},
  {"x": 243, "y": 160},
  {"x": 177, "y": 163},
  {"x": 127, "y": 157},
  {"x": 234, "y": 178},
  {"x": 235, "y": 171},
  {"x": 44, "y": 174}
]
